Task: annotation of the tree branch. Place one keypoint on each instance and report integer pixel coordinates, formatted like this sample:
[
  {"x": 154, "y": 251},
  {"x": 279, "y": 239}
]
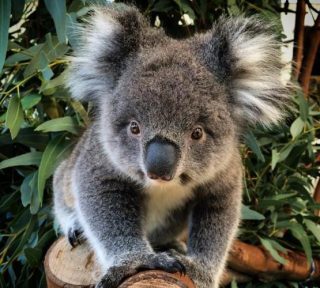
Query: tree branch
[
  {"x": 298, "y": 38},
  {"x": 310, "y": 57}
]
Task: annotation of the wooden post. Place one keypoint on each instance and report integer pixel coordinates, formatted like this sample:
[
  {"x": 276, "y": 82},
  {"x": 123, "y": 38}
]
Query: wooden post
[{"x": 68, "y": 267}]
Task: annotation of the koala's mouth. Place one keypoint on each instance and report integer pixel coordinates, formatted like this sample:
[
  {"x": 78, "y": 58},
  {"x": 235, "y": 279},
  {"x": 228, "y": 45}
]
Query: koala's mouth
[{"x": 182, "y": 179}]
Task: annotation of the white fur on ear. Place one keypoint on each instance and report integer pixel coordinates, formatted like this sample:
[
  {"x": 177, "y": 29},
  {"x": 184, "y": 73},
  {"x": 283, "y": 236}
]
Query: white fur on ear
[
  {"x": 98, "y": 38},
  {"x": 259, "y": 92}
]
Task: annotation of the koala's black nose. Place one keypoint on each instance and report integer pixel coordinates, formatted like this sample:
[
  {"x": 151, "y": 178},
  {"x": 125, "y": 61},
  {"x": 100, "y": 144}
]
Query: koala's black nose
[{"x": 161, "y": 159}]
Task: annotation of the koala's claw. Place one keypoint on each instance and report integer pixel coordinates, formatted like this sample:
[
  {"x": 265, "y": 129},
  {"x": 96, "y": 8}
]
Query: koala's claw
[
  {"x": 117, "y": 274},
  {"x": 75, "y": 237},
  {"x": 171, "y": 267}
]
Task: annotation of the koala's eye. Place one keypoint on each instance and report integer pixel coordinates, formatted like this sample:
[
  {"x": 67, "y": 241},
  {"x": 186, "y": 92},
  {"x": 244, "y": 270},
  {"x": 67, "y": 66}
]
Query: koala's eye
[
  {"x": 197, "y": 133},
  {"x": 134, "y": 128}
]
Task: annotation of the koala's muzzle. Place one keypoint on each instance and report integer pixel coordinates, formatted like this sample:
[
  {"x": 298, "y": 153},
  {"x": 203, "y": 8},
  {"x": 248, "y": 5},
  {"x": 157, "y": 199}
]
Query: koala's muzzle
[{"x": 161, "y": 159}]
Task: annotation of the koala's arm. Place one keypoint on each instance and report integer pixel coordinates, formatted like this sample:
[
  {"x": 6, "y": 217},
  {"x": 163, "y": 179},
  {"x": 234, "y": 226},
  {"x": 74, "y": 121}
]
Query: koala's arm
[{"x": 213, "y": 226}]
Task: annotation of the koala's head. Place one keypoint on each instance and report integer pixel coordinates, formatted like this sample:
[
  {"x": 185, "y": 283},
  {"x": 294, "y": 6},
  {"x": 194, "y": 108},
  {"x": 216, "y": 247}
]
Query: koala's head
[{"x": 172, "y": 110}]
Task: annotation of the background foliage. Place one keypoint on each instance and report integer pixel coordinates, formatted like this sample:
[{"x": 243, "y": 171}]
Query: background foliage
[{"x": 39, "y": 124}]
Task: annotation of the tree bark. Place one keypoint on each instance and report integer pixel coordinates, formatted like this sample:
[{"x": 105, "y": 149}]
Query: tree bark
[
  {"x": 255, "y": 260},
  {"x": 310, "y": 56},
  {"x": 298, "y": 38}
]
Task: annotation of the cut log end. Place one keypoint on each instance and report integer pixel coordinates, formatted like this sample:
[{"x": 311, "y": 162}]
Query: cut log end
[{"x": 77, "y": 267}]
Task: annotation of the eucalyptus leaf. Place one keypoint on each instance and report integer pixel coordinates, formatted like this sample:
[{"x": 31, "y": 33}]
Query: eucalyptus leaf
[
  {"x": 56, "y": 150},
  {"x": 61, "y": 124},
  {"x": 30, "y": 101},
  {"x": 25, "y": 237},
  {"x": 313, "y": 227},
  {"x": 248, "y": 214},
  {"x": 275, "y": 158},
  {"x": 273, "y": 252},
  {"x": 33, "y": 255},
  {"x": 25, "y": 189},
  {"x": 35, "y": 199},
  {"x": 58, "y": 13},
  {"x": 5, "y": 11},
  {"x": 31, "y": 158},
  {"x": 296, "y": 127},
  {"x": 252, "y": 143},
  {"x": 14, "y": 117}
]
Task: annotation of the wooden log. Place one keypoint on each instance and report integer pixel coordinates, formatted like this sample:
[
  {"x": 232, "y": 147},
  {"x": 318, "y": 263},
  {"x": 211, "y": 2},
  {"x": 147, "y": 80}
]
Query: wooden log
[
  {"x": 255, "y": 260},
  {"x": 77, "y": 267}
]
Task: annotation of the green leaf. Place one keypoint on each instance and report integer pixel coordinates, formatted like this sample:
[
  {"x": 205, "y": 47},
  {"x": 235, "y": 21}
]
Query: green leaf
[
  {"x": 304, "y": 107},
  {"x": 248, "y": 214},
  {"x": 278, "y": 246},
  {"x": 53, "y": 48},
  {"x": 56, "y": 150},
  {"x": 25, "y": 54},
  {"x": 299, "y": 233},
  {"x": 17, "y": 9},
  {"x": 14, "y": 116},
  {"x": 252, "y": 143},
  {"x": 234, "y": 284},
  {"x": 313, "y": 228},
  {"x": 31, "y": 158},
  {"x": 30, "y": 100},
  {"x": 284, "y": 153},
  {"x": 5, "y": 11},
  {"x": 24, "y": 239},
  {"x": 163, "y": 6},
  {"x": 296, "y": 127},
  {"x": 279, "y": 197},
  {"x": 273, "y": 252},
  {"x": 33, "y": 255},
  {"x": 72, "y": 28},
  {"x": 58, "y": 12},
  {"x": 40, "y": 63},
  {"x": 35, "y": 199},
  {"x": 275, "y": 158},
  {"x": 25, "y": 189},
  {"x": 27, "y": 137},
  {"x": 60, "y": 124},
  {"x": 43, "y": 66}
]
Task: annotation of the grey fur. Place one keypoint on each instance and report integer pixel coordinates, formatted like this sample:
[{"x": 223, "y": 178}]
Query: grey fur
[{"x": 134, "y": 72}]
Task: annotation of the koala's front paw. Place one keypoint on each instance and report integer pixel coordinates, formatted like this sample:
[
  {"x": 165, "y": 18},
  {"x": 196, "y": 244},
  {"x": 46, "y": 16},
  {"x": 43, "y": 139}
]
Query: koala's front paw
[
  {"x": 200, "y": 273},
  {"x": 163, "y": 262},
  {"x": 117, "y": 274},
  {"x": 75, "y": 236}
]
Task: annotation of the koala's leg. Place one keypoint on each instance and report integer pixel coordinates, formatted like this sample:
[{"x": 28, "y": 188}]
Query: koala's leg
[
  {"x": 214, "y": 222},
  {"x": 64, "y": 209}
]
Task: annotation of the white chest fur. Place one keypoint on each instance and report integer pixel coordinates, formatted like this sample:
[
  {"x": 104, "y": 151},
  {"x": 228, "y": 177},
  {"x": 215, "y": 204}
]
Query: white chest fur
[{"x": 162, "y": 199}]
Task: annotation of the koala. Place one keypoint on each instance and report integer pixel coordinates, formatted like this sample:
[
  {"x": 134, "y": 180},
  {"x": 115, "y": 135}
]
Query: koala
[{"x": 162, "y": 152}]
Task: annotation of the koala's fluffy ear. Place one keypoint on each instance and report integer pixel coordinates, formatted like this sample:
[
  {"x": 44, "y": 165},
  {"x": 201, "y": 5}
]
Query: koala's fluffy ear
[
  {"x": 245, "y": 56},
  {"x": 108, "y": 39}
]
